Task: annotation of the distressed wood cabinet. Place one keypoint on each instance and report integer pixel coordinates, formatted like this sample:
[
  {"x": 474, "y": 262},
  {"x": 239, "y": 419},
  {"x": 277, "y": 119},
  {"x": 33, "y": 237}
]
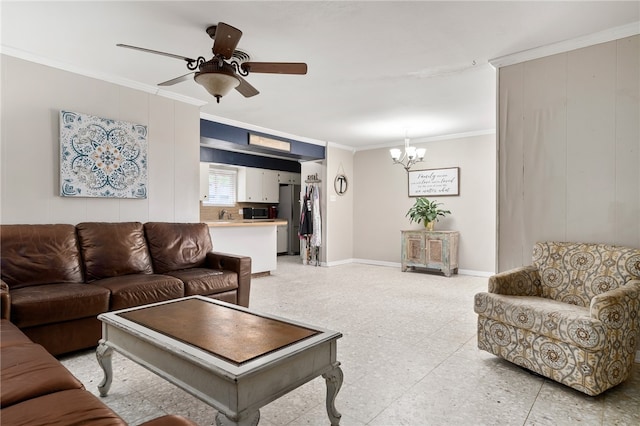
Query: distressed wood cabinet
[{"x": 431, "y": 250}]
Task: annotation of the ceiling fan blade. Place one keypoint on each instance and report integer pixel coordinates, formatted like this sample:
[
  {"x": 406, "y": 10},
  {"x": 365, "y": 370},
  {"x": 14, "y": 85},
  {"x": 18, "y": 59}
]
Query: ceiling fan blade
[
  {"x": 275, "y": 67},
  {"x": 226, "y": 40},
  {"x": 245, "y": 88},
  {"x": 171, "y": 55},
  {"x": 176, "y": 80}
]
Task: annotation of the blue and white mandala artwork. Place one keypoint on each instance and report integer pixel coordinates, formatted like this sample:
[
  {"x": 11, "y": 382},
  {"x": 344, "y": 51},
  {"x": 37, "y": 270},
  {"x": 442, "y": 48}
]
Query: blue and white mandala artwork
[{"x": 100, "y": 157}]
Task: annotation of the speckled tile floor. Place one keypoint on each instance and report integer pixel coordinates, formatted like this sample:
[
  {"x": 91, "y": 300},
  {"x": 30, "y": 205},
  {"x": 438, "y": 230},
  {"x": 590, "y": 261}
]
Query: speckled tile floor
[{"x": 408, "y": 354}]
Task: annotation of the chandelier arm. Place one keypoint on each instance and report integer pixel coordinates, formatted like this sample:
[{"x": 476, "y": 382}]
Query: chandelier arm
[{"x": 409, "y": 162}]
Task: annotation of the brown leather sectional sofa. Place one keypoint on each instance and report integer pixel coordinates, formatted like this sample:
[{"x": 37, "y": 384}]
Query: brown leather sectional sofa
[
  {"x": 57, "y": 278},
  {"x": 38, "y": 390}
]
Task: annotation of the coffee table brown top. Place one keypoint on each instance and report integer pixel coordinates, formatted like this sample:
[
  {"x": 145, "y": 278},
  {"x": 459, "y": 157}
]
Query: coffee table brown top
[{"x": 215, "y": 328}]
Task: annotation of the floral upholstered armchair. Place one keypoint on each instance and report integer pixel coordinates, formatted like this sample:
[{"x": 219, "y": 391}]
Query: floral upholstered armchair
[{"x": 573, "y": 316}]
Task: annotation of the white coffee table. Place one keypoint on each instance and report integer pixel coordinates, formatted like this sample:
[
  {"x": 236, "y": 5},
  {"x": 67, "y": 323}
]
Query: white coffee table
[{"x": 230, "y": 357}]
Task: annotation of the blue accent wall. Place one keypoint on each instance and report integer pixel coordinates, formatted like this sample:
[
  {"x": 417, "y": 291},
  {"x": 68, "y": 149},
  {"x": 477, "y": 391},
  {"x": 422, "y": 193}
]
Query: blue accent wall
[
  {"x": 212, "y": 155},
  {"x": 220, "y": 135}
]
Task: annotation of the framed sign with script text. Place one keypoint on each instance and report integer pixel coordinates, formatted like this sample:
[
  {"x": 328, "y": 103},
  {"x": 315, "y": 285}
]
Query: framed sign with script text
[{"x": 434, "y": 182}]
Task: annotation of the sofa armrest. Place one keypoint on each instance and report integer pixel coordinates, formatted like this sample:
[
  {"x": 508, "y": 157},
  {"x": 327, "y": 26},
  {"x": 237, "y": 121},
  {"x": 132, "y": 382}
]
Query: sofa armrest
[
  {"x": 615, "y": 307},
  {"x": 522, "y": 281},
  {"x": 5, "y": 301},
  {"x": 238, "y": 264}
]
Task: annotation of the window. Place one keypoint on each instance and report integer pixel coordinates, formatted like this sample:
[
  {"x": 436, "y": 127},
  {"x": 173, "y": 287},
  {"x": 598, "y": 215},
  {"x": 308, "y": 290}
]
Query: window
[{"x": 222, "y": 187}]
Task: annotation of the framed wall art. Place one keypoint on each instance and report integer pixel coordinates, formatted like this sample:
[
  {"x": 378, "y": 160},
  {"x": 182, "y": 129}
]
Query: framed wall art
[
  {"x": 434, "y": 182},
  {"x": 100, "y": 157}
]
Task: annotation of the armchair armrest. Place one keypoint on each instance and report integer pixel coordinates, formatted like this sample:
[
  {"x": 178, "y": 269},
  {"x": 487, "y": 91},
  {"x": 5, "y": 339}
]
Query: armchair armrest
[
  {"x": 615, "y": 307},
  {"x": 5, "y": 301},
  {"x": 522, "y": 281},
  {"x": 238, "y": 264}
]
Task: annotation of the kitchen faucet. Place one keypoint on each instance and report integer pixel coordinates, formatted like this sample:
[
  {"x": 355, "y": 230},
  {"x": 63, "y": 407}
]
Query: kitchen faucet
[{"x": 222, "y": 213}]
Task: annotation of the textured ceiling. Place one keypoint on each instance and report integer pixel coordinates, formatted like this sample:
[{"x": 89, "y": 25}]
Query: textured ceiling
[{"x": 376, "y": 69}]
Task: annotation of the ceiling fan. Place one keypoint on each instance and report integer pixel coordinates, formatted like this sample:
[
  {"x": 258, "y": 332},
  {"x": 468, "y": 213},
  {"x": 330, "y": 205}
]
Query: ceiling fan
[{"x": 225, "y": 71}]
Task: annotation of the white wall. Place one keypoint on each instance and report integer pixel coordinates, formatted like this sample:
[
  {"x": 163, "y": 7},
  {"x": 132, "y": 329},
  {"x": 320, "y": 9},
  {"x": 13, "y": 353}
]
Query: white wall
[
  {"x": 569, "y": 141},
  {"x": 340, "y": 219},
  {"x": 381, "y": 201},
  {"x": 32, "y": 97}
]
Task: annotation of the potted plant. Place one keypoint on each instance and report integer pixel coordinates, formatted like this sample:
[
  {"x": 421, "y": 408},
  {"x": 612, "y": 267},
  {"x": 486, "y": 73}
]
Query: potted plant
[{"x": 427, "y": 211}]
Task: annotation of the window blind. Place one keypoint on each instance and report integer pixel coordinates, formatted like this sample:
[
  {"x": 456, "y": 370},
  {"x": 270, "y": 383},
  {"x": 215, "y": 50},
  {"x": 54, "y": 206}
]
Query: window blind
[{"x": 222, "y": 187}]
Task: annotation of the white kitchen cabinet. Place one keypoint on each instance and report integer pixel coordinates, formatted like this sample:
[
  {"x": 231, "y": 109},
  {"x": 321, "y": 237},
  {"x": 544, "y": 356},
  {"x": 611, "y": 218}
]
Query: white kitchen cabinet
[
  {"x": 286, "y": 178},
  {"x": 296, "y": 179},
  {"x": 249, "y": 184},
  {"x": 258, "y": 185},
  {"x": 270, "y": 186},
  {"x": 204, "y": 182}
]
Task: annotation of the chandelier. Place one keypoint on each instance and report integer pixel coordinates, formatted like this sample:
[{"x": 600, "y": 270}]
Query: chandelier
[{"x": 411, "y": 155}]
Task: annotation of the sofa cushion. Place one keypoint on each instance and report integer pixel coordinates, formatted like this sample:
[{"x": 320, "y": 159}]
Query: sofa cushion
[
  {"x": 39, "y": 254},
  {"x": 113, "y": 249},
  {"x": 202, "y": 281},
  {"x": 135, "y": 290},
  {"x": 29, "y": 371},
  {"x": 547, "y": 317},
  {"x": 10, "y": 335},
  {"x": 176, "y": 246},
  {"x": 64, "y": 408},
  {"x": 54, "y": 303}
]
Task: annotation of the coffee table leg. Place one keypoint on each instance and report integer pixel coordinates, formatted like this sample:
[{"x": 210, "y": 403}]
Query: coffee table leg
[
  {"x": 103, "y": 354},
  {"x": 249, "y": 420},
  {"x": 334, "y": 383}
]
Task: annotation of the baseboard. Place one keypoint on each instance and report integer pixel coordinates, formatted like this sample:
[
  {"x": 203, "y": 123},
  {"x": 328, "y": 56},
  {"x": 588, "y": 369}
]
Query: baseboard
[
  {"x": 470, "y": 272},
  {"x": 377, "y": 262},
  {"x": 338, "y": 262}
]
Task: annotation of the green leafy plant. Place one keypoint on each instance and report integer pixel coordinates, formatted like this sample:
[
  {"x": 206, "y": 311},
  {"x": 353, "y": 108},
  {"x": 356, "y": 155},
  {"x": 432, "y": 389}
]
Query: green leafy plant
[{"x": 427, "y": 211}]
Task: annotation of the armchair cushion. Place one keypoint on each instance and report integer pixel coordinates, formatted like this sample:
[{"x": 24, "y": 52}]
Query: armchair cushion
[
  {"x": 546, "y": 317},
  {"x": 575, "y": 273},
  {"x": 524, "y": 281}
]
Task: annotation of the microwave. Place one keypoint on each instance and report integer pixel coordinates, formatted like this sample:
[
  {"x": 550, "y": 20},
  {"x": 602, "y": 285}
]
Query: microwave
[{"x": 255, "y": 213}]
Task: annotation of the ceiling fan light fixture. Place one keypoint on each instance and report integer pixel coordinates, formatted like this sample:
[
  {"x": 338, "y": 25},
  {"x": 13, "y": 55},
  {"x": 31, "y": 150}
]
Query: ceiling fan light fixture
[{"x": 218, "y": 84}]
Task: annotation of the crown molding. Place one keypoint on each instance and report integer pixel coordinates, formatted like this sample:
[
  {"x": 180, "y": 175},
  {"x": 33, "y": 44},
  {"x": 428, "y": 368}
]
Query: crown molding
[
  {"x": 431, "y": 139},
  {"x": 20, "y": 54},
  {"x": 341, "y": 146},
  {"x": 568, "y": 45}
]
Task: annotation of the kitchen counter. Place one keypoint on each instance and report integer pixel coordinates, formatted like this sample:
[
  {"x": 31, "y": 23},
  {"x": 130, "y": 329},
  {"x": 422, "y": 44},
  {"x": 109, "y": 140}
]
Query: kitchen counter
[
  {"x": 247, "y": 222},
  {"x": 256, "y": 238}
]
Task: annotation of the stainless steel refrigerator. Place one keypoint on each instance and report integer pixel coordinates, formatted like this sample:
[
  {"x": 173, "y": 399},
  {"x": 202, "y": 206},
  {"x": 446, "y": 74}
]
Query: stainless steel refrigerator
[{"x": 289, "y": 209}]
